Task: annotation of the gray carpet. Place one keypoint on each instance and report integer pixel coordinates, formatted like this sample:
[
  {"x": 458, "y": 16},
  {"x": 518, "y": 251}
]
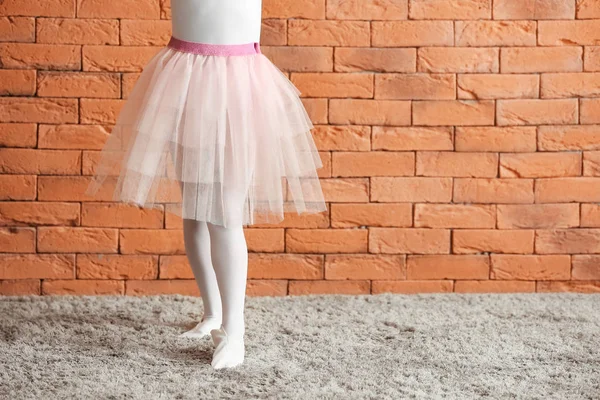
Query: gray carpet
[{"x": 434, "y": 346}]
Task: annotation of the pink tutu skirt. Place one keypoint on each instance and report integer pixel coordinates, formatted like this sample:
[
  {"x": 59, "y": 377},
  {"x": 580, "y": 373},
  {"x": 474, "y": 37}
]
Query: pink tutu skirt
[{"x": 219, "y": 132}]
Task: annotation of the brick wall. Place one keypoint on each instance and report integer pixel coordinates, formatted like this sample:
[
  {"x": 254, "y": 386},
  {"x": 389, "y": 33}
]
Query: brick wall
[{"x": 460, "y": 142}]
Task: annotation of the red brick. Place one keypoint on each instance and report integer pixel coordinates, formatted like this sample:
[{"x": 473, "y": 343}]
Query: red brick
[
  {"x": 455, "y": 216},
  {"x": 273, "y": 33},
  {"x": 43, "y": 162},
  {"x": 314, "y": 9},
  {"x": 71, "y": 136},
  {"x": 17, "y": 82},
  {"x": 569, "y": 286},
  {"x": 588, "y": 9},
  {"x": 470, "y": 241},
  {"x": 100, "y": 111},
  {"x": 570, "y": 85},
  {"x": 495, "y": 33},
  {"x": 569, "y": 241},
  {"x": 285, "y": 266},
  {"x": 493, "y": 190},
  {"x": 165, "y": 9},
  {"x": 566, "y": 190},
  {"x": 128, "y": 81},
  {"x": 538, "y": 216},
  {"x": 452, "y": 164},
  {"x": 151, "y": 241},
  {"x": 540, "y": 165},
  {"x": 592, "y": 58},
  {"x": 530, "y": 267},
  {"x": 175, "y": 267},
  {"x": 17, "y": 29},
  {"x": 541, "y": 59},
  {"x": 184, "y": 287},
  {"x": 573, "y": 137},
  {"x": 586, "y": 267},
  {"x": 590, "y": 215},
  {"x": 453, "y": 112},
  {"x": 85, "y": 287},
  {"x": 40, "y": 56},
  {"x": 18, "y": 135},
  {"x": 372, "y": 214},
  {"x": 358, "y": 59},
  {"x": 494, "y": 287},
  {"x": 442, "y": 9},
  {"x": 372, "y": 10},
  {"x": 411, "y": 189},
  {"x": 37, "y": 266},
  {"x": 412, "y": 138},
  {"x": 76, "y": 240},
  {"x": 373, "y": 163},
  {"x": 78, "y": 84},
  {"x": 537, "y": 112},
  {"x": 294, "y": 220},
  {"x": 302, "y": 32},
  {"x": 493, "y": 138},
  {"x": 120, "y": 215},
  {"x": 333, "y": 84},
  {"x": 317, "y": 109},
  {"x": 346, "y": 190},
  {"x": 48, "y": 110},
  {"x": 533, "y": 9},
  {"x": 364, "y": 266},
  {"x": 568, "y": 33},
  {"x": 297, "y": 288},
  {"x": 258, "y": 287},
  {"x": 17, "y": 240},
  {"x": 140, "y": 9},
  {"x": 145, "y": 32},
  {"x": 369, "y": 112},
  {"x": 339, "y": 137},
  {"x": 589, "y": 111},
  {"x": 497, "y": 86},
  {"x": 23, "y": 213},
  {"x": 300, "y": 59},
  {"x": 412, "y": 33},
  {"x": 326, "y": 240},
  {"x": 415, "y": 86},
  {"x": 409, "y": 240},
  {"x": 591, "y": 163},
  {"x": 265, "y": 240},
  {"x": 412, "y": 287},
  {"x": 20, "y": 287},
  {"x": 46, "y": 8},
  {"x": 77, "y": 31},
  {"x": 18, "y": 187},
  {"x": 448, "y": 267},
  {"x": 458, "y": 59},
  {"x": 113, "y": 266},
  {"x": 117, "y": 58}
]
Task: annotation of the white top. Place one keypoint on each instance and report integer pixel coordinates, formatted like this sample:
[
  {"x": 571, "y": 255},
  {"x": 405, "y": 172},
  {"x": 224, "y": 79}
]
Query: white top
[{"x": 216, "y": 21}]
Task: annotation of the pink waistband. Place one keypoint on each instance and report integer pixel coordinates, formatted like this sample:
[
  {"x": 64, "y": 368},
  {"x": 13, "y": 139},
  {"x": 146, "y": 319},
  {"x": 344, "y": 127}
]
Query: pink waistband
[{"x": 208, "y": 49}]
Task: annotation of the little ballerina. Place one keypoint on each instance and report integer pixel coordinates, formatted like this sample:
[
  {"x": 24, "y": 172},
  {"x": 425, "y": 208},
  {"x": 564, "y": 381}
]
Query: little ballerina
[{"x": 219, "y": 133}]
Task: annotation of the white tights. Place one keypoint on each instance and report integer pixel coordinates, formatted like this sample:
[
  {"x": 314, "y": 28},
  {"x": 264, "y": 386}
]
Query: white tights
[{"x": 218, "y": 257}]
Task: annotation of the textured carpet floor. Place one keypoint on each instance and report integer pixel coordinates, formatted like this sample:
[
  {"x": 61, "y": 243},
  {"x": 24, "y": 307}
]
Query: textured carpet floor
[{"x": 442, "y": 346}]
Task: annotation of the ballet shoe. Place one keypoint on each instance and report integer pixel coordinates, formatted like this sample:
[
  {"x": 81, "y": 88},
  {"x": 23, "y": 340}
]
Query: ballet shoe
[
  {"x": 229, "y": 350},
  {"x": 202, "y": 329}
]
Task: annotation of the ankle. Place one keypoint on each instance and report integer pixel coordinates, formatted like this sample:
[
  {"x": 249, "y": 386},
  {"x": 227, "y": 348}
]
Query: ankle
[{"x": 211, "y": 318}]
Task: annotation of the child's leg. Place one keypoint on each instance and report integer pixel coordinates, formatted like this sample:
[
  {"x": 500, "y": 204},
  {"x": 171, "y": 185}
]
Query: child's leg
[
  {"x": 230, "y": 260},
  {"x": 197, "y": 248}
]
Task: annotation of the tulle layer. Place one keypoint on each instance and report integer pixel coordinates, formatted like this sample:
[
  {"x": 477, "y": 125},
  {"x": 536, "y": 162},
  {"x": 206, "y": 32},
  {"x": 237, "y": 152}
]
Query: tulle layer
[{"x": 229, "y": 133}]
